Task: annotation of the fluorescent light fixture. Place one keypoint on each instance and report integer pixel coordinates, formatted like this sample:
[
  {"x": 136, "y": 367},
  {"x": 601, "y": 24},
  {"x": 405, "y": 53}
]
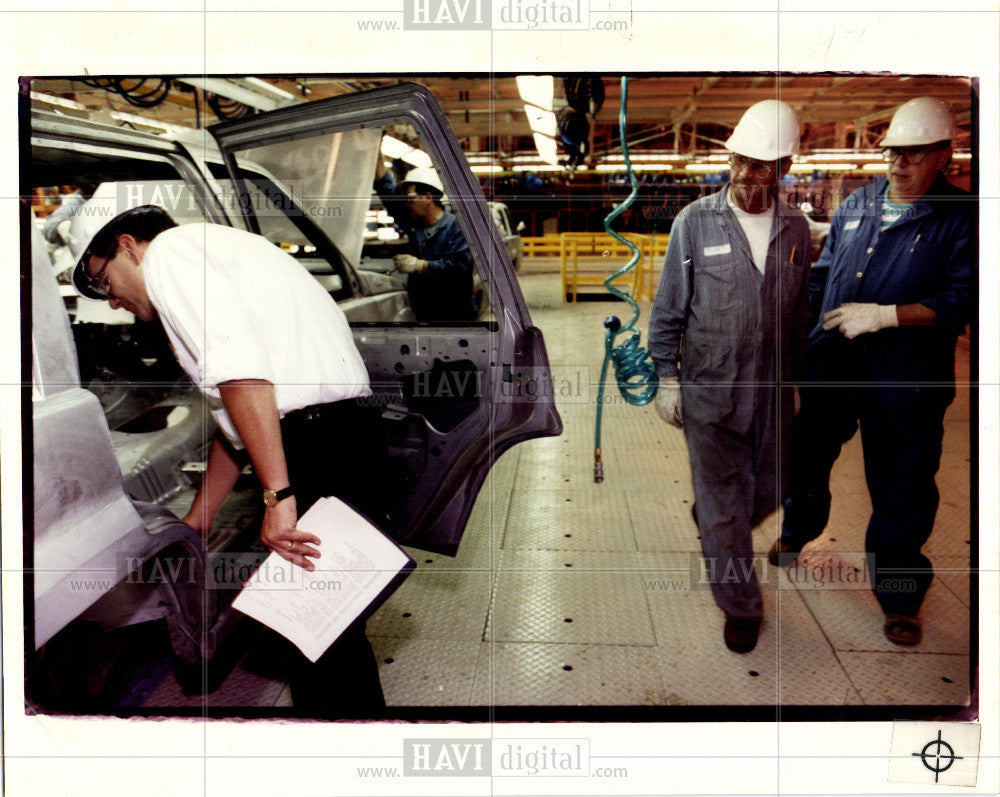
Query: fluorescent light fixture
[
  {"x": 539, "y": 169},
  {"x": 705, "y": 167},
  {"x": 546, "y": 149},
  {"x": 486, "y": 168},
  {"x": 540, "y": 121},
  {"x": 636, "y": 167},
  {"x": 418, "y": 157},
  {"x": 823, "y": 167},
  {"x": 225, "y": 87},
  {"x": 274, "y": 91},
  {"x": 394, "y": 148},
  {"x": 537, "y": 90},
  {"x": 851, "y": 155},
  {"x": 875, "y": 167}
]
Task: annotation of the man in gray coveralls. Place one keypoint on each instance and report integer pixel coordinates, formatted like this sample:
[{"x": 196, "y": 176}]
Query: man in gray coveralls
[{"x": 727, "y": 332}]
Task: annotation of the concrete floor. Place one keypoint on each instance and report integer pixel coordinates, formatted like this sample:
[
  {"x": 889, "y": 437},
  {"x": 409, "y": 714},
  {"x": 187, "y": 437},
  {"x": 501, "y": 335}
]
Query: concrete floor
[{"x": 571, "y": 593}]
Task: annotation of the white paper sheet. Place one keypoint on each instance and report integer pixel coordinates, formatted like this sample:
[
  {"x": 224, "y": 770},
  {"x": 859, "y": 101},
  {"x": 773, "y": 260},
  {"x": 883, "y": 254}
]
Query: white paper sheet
[{"x": 313, "y": 608}]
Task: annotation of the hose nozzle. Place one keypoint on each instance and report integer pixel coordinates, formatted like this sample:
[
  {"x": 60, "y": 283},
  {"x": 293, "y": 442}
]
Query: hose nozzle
[{"x": 598, "y": 466}]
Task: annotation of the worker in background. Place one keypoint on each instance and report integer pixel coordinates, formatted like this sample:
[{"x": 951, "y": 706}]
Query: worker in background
[
  {"x": 57, "y": 224},
  {"x": 276, "y": 361},
  {"x": 438, "y": 265},
  {"x": 727, "y": 331},
  {"x": 893, "y": 290}
]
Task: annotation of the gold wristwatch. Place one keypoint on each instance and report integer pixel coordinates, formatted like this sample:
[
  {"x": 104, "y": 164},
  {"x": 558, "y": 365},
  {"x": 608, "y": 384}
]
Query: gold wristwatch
[{"x": 272, "y": 497}]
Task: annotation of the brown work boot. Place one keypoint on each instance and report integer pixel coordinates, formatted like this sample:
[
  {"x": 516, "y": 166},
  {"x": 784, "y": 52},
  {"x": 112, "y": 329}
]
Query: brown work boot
[
  {"x": 782, "y": 554},
  {"x": 902, "y": 629},
  {"x": 740, "y": 633}
]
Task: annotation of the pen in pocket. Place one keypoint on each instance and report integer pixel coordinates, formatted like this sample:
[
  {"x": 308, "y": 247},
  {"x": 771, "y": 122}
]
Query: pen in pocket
[{"x": 915, "y": 242}]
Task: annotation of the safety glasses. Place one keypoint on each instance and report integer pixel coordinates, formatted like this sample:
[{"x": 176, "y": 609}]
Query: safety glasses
[
  {"x": 756, "y": 168},
  {"x": 913, "y": 155},
  {"x": 99, "y": 283}
]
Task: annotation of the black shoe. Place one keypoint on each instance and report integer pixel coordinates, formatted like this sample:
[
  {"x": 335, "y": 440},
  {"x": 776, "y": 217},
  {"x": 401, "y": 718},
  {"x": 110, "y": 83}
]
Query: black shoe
[
  {"x": 740, "y": 633},
  {"x": 902, "y": 629},
  {"x": 782, "y": 553}
]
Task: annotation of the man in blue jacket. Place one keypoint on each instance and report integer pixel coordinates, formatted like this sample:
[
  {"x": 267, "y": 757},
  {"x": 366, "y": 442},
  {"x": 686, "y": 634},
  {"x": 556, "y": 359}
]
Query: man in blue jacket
[
  {"x": 891, "y": 292},
  {"x": 438, "y": 265}
]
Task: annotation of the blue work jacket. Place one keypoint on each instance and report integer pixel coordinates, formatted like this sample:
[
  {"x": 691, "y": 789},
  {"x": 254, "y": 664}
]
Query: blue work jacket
[
  {"x": 445, "y": 292},
  {"x": 726, "y": 329},
  {"x": 925, "y": 257}
]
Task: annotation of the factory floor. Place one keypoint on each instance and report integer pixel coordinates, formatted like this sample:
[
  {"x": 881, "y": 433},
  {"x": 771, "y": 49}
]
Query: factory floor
[{"x": 567, "y": 593}]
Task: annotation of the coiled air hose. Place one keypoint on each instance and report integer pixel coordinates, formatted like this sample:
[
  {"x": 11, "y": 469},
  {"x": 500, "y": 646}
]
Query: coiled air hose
[{"x": 635, "y": 371}]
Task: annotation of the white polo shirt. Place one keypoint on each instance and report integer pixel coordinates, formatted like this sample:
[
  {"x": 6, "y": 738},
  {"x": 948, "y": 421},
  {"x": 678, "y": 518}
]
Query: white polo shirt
[{"x": 235, "y": 306}]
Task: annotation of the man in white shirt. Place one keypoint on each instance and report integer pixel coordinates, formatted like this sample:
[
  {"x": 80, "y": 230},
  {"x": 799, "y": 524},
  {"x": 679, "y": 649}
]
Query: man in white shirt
[{"x": 275, "y": 359}]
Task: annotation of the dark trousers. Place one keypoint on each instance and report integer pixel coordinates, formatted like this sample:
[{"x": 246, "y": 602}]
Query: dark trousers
[
  {"x": 337, "y": 449},
  {"x": 736, "y": 485},
  {"x": 901, "y": 432}
]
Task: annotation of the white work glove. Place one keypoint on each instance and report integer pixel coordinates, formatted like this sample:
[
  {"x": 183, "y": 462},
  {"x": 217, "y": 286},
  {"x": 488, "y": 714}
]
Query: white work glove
[
  {"x": 668, "y": 400},
  {"x": 855, "y": 318},
  {"x": 62, "y": 230},
  {"x": 408, "y": 264}
]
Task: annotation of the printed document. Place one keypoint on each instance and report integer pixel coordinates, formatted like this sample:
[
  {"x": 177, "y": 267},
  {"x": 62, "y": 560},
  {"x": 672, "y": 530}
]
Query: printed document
[{"x": 358, "y": 568}]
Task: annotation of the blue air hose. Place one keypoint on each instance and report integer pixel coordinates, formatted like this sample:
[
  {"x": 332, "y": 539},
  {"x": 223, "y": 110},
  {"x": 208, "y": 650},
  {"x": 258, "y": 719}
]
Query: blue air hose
[{"x": 635, "y": 371}]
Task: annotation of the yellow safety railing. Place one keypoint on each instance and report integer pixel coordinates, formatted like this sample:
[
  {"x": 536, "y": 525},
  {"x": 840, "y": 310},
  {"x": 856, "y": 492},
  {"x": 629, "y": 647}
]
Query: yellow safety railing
[
  {"x": 587, "y": 258},
  {"x": 542, "y": 246}
]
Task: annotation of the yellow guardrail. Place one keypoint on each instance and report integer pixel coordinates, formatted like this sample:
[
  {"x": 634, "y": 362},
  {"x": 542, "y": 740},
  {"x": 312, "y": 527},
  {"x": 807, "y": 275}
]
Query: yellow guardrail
[
  {"x": 587, "y": 258},
  {"x": 542, "y": 246}
]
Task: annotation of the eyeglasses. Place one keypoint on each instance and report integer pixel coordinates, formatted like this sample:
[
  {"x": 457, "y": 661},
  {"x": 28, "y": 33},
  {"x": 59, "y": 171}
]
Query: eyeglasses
[
  {"x": 99, "y": 283},
  {"x": 756, "y": 168},
  {"x": 914, "y": 155}
]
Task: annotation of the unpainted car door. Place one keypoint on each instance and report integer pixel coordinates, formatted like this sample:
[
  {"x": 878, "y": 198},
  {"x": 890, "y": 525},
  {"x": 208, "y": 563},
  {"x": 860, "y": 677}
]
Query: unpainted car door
[{"x": 455, "y": 395}]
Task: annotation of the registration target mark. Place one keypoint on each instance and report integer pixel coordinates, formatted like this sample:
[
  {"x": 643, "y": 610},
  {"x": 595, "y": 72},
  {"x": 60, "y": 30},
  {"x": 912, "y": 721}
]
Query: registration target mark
[
  {"x": 949, "y": 750},
  {"x": 937, "y": 756}
]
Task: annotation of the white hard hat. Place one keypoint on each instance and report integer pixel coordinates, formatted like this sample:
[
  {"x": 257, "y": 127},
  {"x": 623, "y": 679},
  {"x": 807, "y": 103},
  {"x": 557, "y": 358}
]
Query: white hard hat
[
  {"x": 769, "y": 130},
  {"x": 425, "y": 176},
  {"x": 922, "y": 120},
  {"x": 109, "y": 201}
]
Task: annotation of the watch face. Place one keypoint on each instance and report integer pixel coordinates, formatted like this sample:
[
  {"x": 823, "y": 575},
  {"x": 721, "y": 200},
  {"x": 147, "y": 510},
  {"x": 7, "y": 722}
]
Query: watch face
[{"x": 270, "y": 497}]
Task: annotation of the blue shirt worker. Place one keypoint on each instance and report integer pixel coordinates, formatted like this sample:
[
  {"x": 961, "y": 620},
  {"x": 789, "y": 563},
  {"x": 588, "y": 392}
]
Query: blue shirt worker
[
  {"x": 727, "y": 332},
  {"x": 438, "y": 265},
  {"x": 892, "y": 289}
]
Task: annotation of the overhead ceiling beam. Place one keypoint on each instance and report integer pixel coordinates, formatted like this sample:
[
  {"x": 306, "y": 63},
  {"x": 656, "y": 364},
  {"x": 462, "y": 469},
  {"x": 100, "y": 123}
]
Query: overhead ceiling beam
[{"x": 231, "y": 89}]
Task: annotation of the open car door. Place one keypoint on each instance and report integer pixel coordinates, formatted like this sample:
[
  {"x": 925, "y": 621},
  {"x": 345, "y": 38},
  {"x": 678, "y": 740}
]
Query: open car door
[{"x": 454, "y": 395}]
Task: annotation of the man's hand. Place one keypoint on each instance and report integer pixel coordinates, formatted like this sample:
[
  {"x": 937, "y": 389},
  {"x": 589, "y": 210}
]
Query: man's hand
[
  {"x": 280, "y": 535},
  {"x": 855, "y": 318},
  {"x": 668, "y": 401},
  {"x": 408, "y": 264}
]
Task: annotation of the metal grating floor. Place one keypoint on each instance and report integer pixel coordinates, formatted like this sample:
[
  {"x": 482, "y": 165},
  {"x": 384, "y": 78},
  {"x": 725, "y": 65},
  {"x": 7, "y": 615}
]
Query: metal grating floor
[{"x": 570, "y": 593}]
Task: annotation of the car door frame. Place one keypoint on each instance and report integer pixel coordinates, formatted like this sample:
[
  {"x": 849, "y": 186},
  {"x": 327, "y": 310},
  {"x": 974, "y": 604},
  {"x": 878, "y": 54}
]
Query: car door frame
[{"x": 517, "y": 352}]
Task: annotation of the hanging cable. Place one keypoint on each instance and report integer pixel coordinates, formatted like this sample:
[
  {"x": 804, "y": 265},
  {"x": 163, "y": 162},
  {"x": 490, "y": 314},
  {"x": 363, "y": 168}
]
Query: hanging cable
[
  {"x": 635, "y": 371},
  {"x": 134, "y": 90},
  {"x": 227, "y": 109}
]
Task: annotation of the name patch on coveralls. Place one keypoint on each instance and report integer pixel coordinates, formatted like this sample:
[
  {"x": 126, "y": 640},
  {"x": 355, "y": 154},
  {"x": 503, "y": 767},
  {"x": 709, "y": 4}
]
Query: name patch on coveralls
[{"x": 721, "y": 249}]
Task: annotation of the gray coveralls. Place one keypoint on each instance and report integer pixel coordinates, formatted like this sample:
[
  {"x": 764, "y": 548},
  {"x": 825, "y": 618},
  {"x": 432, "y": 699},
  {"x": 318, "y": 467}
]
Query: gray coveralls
[{"x": 736, "y": 338}]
